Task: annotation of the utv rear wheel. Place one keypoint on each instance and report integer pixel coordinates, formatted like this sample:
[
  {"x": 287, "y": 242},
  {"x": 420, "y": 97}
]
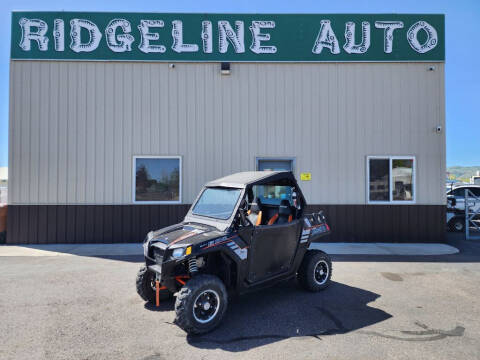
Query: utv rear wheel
[
  {"x": 201, "y": 304},
  {"x": 145, "y": 284},
  {"x": 315, "y": 271}
]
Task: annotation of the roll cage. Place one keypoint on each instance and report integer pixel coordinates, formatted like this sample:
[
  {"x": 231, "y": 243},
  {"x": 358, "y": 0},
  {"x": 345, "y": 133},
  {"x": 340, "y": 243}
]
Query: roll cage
[{"x": 246, "y": 181}]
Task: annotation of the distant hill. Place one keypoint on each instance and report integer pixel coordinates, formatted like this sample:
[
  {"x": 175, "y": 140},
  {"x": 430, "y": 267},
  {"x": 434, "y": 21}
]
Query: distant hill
[{"x": 463, "y": 173}]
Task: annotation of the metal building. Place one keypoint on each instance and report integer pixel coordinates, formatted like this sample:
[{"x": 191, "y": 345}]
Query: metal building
[{"x": 116, "y": 120}]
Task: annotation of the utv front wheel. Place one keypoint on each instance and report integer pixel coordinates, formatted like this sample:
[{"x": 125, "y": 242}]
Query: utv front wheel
[
  {"x": 315, "y": 271},
  {"x": 201, "y": 304},
  {"x": 145, "y": 284}
]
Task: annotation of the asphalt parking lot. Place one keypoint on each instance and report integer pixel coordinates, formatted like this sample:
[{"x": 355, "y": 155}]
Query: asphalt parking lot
[{"x": 74, "y": 307}]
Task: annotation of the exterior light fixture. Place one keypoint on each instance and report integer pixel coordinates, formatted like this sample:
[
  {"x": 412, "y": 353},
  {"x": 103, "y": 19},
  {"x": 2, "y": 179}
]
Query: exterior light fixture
[{"x": 225, "y": 68}]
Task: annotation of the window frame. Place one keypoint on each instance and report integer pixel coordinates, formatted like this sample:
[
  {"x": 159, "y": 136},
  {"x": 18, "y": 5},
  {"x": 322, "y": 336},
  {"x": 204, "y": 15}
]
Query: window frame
[
  {"x": 213, "y": 217},
  {"x": 275, "y": 158},
  {"x": 160, "y": 157},
  {"x": 390, "y": 159}
]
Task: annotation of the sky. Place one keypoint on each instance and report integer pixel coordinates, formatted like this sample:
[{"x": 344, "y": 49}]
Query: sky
[{"x": 462, "y": 70}]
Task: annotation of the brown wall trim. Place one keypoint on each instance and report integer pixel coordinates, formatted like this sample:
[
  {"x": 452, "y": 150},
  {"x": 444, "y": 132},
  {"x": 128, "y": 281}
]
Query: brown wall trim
[
  {"x": 63, "y": 224},
  {"x": 385, "y": 223}
]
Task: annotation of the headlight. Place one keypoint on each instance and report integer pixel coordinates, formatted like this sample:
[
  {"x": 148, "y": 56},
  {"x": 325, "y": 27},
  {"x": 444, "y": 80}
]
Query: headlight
[{"x": 178, "y": 253}]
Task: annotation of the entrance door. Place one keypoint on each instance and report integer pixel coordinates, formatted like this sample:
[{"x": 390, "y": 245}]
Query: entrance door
[{"x": 272, "y": 249}]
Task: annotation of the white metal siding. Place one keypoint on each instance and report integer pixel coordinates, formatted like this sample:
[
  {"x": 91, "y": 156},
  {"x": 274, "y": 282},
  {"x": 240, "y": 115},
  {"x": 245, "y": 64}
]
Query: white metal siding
[{"x": 75, "y": 126}]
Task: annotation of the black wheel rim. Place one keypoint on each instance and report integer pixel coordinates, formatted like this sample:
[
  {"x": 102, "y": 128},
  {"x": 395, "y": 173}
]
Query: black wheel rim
[
  {"x": 152, "y": 282},
  {"x": 321, "y": 272},
  {"x": 205, "y": 306}
]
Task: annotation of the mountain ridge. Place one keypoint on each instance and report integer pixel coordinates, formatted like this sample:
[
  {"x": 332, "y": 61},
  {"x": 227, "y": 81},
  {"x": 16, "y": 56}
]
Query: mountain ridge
[{"x": 462, "y": 173}]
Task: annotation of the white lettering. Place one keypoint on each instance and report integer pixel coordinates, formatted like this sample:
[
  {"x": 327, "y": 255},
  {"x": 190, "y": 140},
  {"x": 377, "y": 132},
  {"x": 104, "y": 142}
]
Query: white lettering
[
  {"x": 326, "y": 38},
  {"x": 28, "y": 35},
  {"x": 59, "y": 35},
  {"x": 350, "y": 46},
  {"x": 76, "y": 26},
  {"x": 121, "y": 42},
  {"x": 145, "y": 46},
  {"x": 389, "y": 27},
  {"x": 258, "y": 37},
  {"x": 429, "y": 43},
  {"x": 207, "y": 36},
  {"x": 177, "y": 34},
  {"x": 225, "y": 32}
]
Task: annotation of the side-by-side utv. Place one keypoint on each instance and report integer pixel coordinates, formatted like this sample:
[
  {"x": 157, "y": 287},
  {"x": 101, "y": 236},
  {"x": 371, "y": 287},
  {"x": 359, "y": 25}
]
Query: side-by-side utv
[{"x": 244, "y": 232}]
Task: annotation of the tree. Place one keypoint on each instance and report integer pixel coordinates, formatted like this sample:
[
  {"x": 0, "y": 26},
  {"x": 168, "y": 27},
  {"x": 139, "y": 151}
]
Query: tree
[{"x": 142, "y": 179}]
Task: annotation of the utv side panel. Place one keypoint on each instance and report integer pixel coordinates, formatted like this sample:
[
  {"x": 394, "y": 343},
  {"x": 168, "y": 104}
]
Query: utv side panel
[{"x": 270, "y": 257}]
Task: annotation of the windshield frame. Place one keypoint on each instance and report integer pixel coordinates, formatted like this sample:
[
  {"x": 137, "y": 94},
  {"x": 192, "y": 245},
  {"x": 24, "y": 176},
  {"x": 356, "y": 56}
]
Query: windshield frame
[
  {"x": 221, "y": 224},
  {"x": 220, "y": 188}
]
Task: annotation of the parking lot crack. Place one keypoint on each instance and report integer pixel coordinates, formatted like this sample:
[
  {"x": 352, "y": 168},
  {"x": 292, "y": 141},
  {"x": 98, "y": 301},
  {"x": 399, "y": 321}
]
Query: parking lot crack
[{"x": 420, "y": 335}]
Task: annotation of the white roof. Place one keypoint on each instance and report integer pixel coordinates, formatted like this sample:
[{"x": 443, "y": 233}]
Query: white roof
[
  {"x": 239, "y": 180},
  {"x": 4, "y": 173},
  {"x": 466, "y": 186}
]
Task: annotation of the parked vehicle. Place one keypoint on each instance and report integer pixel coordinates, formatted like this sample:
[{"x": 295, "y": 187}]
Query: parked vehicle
[
  {"x": 244, "y": 232},
  {"x": 456, "y": 206}
]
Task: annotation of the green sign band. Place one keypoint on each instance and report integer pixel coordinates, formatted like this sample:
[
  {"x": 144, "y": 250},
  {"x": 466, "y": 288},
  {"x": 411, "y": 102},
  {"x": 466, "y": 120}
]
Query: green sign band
[{"x": 227, "y": 37}]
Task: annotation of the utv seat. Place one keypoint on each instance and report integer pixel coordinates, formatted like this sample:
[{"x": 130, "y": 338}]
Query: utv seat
[
  {"x": 255, "y": 212},
  {"x": 284, "y": 214}
]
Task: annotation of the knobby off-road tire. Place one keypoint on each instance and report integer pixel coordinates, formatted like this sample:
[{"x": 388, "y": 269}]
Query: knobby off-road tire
[
  {"x": 315, "y": 271},
  {"x": 192, "y": 312},
  {"x": 146, "y": 288}
]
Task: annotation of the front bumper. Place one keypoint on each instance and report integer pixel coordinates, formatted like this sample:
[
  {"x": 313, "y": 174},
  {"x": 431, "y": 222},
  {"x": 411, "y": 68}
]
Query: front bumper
[
  {"x": 157, "y": 269},
  {"x": 156, "y": 261},
  {"x": 154, "y": 257}
]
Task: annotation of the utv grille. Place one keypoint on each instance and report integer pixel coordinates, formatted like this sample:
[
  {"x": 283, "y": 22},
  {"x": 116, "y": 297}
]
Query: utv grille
[{"x": 158, "y": 255}]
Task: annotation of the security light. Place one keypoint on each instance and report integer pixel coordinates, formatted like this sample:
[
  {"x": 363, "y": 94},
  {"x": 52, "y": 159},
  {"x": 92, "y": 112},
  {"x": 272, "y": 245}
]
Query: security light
[{"x": 225, "y": 68}]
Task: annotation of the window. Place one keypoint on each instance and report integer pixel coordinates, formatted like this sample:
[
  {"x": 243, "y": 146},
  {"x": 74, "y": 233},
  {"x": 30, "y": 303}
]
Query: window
[
  {"x": 391, "y": 179},
  {"x": 460, "y": 192},
  {"x": 157, "y": 179},
  {"x": 217, "y": 203},
  {"x": 379, "y": 180},
  {"x": 475, "y": 191},
  {"x": 275, "y": 164},
  {"x": 273, "y": 194}
]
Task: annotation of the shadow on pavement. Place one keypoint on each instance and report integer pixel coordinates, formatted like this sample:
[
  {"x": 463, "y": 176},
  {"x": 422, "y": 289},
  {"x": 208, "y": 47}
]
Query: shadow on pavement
[
  {"x": 165, "y": 305},
  {"x": 286, "y": 311}
]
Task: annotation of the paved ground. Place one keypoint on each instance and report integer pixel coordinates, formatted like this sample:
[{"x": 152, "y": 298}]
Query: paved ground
[{"x": 74, "y": 307}]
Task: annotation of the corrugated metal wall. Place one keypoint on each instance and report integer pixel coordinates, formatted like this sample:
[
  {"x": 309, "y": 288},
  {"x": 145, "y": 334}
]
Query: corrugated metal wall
[
  {"x": 74, "y": 126},
  {"x": 58, "y": 224}
]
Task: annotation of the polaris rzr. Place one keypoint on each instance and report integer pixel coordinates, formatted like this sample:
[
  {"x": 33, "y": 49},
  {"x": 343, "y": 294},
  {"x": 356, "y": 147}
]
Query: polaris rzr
[{"x": 244, "y": 232}]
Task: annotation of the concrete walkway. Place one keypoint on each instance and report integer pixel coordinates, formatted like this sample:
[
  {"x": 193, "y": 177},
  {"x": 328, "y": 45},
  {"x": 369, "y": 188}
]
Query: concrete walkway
[
  {"x": 72, "y": 249},
  {"x": 136, "y": 249},
  {"x": 384, "y": 249}
]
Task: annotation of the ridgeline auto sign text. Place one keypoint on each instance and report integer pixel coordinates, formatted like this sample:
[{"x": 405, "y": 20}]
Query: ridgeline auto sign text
[{"x": 227, "y": 37}]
